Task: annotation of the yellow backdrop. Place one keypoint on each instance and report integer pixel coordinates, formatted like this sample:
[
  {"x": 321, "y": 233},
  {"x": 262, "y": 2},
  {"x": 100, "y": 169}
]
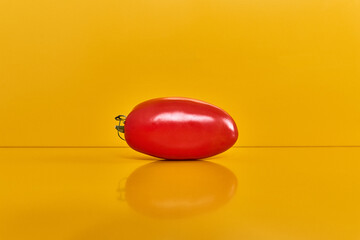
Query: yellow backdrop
[{"x": 287, "y": 71}]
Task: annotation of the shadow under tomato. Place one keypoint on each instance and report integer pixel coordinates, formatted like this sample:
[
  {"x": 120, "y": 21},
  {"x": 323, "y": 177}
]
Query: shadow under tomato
[
  {"x": 175, "y": 189},
  {"x": 151, "y": 158},
  {"x": 201, "y": 159}
]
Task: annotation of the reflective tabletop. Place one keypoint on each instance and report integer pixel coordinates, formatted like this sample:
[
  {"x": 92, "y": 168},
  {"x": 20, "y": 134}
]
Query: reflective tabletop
[{"x": 116, "y": 193}]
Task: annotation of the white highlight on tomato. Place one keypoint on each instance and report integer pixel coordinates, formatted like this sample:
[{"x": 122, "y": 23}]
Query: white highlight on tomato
[{"x": 182, "y": 117}]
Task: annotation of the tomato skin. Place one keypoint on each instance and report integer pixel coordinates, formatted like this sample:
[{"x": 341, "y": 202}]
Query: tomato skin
[{"x": 179, "y": 128}]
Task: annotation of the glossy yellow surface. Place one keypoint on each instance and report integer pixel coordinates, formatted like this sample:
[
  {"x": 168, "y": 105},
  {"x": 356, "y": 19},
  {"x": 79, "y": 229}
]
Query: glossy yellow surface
[
  {"x": 287, "y": 71},
  {"x": 116, "y": 193}
]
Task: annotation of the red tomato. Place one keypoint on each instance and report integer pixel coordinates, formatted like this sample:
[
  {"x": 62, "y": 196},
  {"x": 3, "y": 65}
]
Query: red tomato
[{"x": 179, "y": 128}]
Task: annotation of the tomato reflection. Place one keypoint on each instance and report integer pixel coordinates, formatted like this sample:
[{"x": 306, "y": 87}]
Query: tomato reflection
[{"x": 172, "y": 189}]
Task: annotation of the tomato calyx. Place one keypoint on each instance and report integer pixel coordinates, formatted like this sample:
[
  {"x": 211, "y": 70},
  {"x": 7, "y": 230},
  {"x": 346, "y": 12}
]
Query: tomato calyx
[{"x": 120, "y": 128}]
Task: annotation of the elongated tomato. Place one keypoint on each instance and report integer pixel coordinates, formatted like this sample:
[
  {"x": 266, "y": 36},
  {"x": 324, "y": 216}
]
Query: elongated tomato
[{"x": 179, "y": 128}]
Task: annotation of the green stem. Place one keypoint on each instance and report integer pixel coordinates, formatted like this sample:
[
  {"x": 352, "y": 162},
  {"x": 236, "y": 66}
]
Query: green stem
[{"x": 120, "y": 128}]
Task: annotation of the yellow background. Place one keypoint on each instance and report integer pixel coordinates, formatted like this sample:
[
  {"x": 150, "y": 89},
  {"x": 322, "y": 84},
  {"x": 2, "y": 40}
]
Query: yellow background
[{"x": 287, "y": 71}]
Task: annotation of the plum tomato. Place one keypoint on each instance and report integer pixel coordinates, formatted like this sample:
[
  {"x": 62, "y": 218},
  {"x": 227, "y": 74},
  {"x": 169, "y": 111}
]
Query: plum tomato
[{"x": 178, "y": 128}]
